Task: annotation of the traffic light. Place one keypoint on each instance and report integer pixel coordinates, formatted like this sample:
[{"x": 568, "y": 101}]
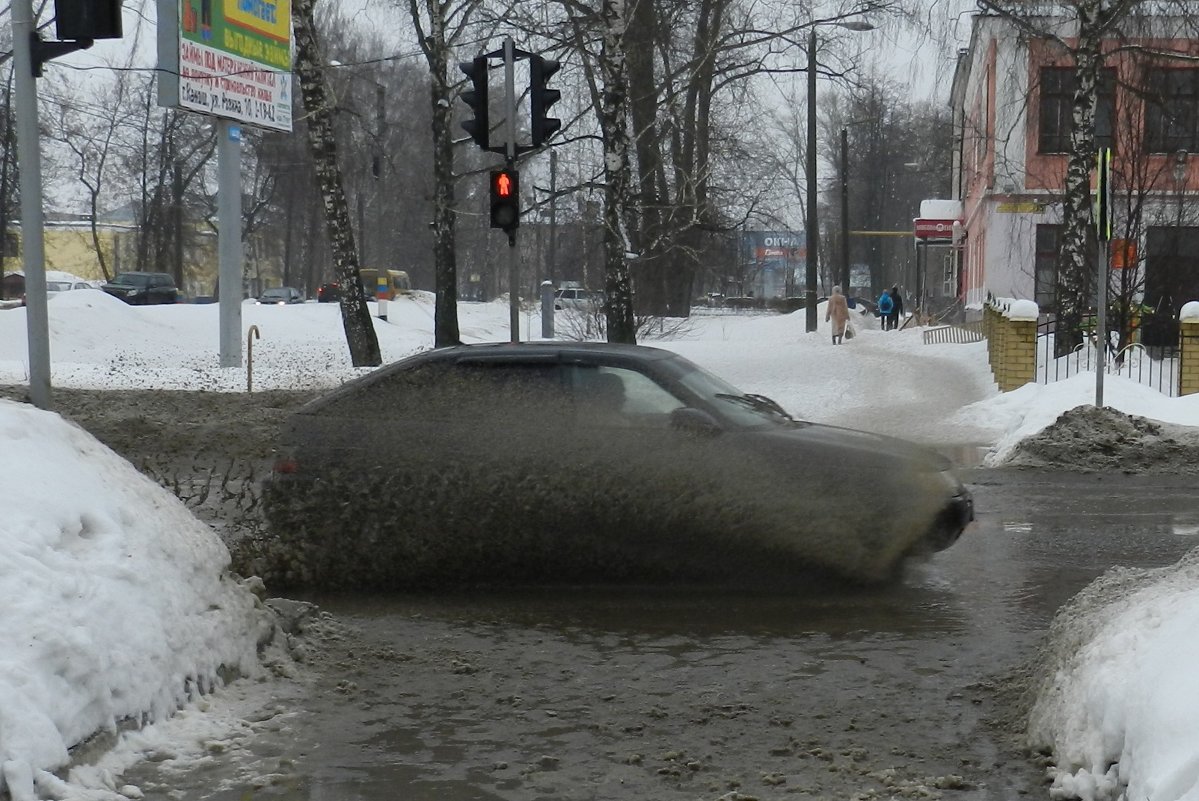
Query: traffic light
[
  {"x": 88, "y": 19},
  {"x": 541, "y": 98},
  {"x": 505, "y": 199},
  {"x": 476, "y": 98}
]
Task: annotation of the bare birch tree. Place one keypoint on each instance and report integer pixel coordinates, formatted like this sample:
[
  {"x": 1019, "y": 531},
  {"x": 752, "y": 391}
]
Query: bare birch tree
[
  {"x": 310, "y": 63},
  {"x": 440, "y": 26}
]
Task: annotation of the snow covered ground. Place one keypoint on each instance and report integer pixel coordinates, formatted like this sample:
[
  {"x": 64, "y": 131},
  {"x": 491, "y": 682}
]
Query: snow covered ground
[{"x": 116, "y": 604}]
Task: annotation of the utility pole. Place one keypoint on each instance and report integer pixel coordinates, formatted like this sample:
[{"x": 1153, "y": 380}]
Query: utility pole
[
  {"x": 510, "y": 158},
  {"x": 845, "y": 211},
  {"x": 812, "y": 235},
  {"x": 32, "y": 221},
  {"x": 78, "y": 25},
  {"x": 229, "y": 246},
  {"x": 177, "y": 218},
  {"x": 554, "y": 215}
]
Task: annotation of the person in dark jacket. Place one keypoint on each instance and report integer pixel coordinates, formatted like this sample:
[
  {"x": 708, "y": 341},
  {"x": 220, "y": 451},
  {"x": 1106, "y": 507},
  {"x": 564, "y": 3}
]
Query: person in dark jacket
[{"x": 896, "y": 308}]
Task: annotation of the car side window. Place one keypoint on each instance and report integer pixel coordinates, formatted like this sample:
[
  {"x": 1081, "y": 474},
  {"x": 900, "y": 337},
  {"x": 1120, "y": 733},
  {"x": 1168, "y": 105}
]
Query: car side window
[
  {"x": 470, "y": 394},
  {"x": 620, "y": 397}
]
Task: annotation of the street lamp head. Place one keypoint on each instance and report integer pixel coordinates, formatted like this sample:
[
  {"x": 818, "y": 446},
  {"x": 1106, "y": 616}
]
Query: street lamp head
[{"x": 855, "y": 25}]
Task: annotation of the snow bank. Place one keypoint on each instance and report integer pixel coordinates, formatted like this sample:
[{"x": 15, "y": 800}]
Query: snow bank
[
  {"x": 1019, "y": 414},
  {"x": 1119, "y": 705},
  {"x": 115, "y": 602}
]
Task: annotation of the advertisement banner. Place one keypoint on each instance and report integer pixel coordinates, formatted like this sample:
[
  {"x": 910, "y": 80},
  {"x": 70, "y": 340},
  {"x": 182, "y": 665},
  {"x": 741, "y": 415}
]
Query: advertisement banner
[{"x": 233, "y": 60}]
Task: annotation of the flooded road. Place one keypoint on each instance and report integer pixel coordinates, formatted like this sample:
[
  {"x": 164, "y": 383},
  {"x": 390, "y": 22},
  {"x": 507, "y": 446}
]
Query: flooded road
[{"x": 598, "y": 693}]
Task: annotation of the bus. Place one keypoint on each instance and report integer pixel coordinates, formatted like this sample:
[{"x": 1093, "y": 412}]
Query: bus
[{"x": 398, "y": 283}]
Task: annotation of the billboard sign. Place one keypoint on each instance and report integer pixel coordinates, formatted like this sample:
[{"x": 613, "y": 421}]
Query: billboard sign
[
  {"x": 227, "y": 58},
  {"x": 767, "y": 246}
]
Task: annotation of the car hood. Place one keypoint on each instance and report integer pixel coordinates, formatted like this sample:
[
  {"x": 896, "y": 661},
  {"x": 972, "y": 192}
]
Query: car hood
[{"x": 862, "y": 447}]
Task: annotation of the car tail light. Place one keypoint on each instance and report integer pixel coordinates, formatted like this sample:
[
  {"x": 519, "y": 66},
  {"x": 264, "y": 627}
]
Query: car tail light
[{"x": 286, "y": 466}]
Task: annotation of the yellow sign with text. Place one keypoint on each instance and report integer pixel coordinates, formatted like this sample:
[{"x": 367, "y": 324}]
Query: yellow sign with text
[
  {"x": 1020, "y": 207},
  {"x": 269, "y": 18}
]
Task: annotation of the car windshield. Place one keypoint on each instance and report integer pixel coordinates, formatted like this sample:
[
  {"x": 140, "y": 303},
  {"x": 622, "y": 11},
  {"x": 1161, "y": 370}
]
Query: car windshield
[
  {"x": 746, "y": 409},
  {"x": 275, "y": 294},
  {"x": 58, "y": 286},
  {"x": 132, "y": 279}
]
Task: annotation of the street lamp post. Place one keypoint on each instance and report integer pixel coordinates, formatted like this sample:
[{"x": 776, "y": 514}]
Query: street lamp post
[
  {"x": 845, "y": 211},
  {"x": 812, "y": 235}
]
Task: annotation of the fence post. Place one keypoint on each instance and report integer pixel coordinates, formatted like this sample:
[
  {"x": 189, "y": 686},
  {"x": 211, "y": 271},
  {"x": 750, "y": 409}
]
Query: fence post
[{"x": 1188, "y": 350}]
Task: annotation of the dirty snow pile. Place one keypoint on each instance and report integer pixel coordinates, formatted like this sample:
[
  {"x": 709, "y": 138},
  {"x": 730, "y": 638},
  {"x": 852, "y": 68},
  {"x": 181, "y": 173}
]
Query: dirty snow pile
[
  {"x": 1119, "y": 703},
  {"x": 1056, "y": 425},
  {"x": 1091, "y": 439},
  {"x": 114, "y": 600}
]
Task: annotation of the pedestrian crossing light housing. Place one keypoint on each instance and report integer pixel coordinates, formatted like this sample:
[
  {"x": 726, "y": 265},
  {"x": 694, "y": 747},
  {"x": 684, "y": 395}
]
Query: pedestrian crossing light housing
[
  {"x": 541, "y": 98},
  {"x": 77, "y": 20},
  {"x": 476, "y": 99},
  {"x": 505, "y": 199}
]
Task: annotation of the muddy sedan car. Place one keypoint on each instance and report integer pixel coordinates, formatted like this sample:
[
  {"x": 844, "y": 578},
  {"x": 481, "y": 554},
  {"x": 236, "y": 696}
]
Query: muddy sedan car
[{"x": 585, "y": 462}]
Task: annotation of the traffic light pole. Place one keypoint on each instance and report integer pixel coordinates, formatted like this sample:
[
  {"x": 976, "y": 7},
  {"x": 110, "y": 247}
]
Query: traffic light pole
[
  {"x": 32, "y": 245},
  {"x": 504, "y": 185},
  {"x": 510, "y": 160}
]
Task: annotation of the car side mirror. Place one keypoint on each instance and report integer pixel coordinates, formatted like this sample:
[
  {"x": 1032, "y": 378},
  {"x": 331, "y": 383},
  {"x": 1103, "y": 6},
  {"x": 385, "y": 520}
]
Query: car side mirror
[{"x": 694, "y": 421}]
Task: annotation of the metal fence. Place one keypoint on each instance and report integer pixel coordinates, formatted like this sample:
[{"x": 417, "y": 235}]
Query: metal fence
[
  {"x": 958, "y": 333},
  {"x": 1154, "y": 366}
]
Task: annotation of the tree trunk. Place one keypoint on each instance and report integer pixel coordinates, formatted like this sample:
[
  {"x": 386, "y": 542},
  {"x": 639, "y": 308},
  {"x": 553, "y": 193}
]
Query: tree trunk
[
  {"x": 613, "y": 119},
  {"x": 1075, "y": 268},
  {"x": 445, "y": 267},
  {"x": 355, "y": 317},
  {"x": 650, "y": 275}
]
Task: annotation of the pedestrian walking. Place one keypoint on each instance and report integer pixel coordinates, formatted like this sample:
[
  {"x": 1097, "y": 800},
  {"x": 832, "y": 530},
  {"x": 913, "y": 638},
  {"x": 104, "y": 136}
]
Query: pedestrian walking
[
  {"x": 837, "y": 312},
  {"x": 885, "y": 307},
  {"x": 896, "y": 307}
]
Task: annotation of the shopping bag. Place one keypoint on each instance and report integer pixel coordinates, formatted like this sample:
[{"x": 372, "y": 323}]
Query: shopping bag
[{"x": 849, "y": 332}]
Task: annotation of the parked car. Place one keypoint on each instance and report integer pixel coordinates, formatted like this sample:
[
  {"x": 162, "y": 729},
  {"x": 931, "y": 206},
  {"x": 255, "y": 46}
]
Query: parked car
[
  {"x": 581, "y": 462},
  {"x": 328, "y": 293},
  {"x": 577, "y": 299},
  {"x": 281, "y": 295},
  {"x": 142, "y": 288}
]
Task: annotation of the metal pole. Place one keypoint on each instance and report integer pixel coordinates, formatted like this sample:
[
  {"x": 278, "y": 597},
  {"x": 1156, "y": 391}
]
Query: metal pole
[
  {"x": 510, "y": 128},
  {"x": 845, "y": 211},
  {"x": 33, "y": 247},
  {"x": 229, "y": 240},
  {"x": 547, "y": 309},
  {"x": 513, "y": 305},
  {"x": 554, "y": 215},
  {"x": 1101, "y": 338},
  {"x": 812, "y": 235}
]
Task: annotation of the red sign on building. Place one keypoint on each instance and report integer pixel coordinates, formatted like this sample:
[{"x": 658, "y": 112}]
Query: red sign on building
[{"x": 930, "y": 229}]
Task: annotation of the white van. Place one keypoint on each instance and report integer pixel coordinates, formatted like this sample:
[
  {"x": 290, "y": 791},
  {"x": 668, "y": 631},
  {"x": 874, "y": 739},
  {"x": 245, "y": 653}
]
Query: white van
[{"x": 577, "y": 299}]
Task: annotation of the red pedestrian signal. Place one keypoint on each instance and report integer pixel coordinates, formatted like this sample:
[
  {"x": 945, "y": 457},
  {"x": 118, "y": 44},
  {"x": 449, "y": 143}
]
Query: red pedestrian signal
[
  {"x": 505, "y": 199},
  {"x": 503, "y": 185}
]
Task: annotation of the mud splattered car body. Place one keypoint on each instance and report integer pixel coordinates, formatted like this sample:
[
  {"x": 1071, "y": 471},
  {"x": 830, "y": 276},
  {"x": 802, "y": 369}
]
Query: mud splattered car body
[{"x": 585, "y": 461}]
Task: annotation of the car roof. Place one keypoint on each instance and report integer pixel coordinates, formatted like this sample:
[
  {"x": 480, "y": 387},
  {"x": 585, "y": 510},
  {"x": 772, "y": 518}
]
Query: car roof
[
  {"x": 517, "y": 351},
  {"x": 501, "y": 352}
]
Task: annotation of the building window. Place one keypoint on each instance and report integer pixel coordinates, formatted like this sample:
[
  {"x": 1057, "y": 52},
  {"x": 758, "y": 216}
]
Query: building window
[
  {"x": 1057, "y": 109},
  {"x": 1049, "y": 238},
  {"x": 1172, "y": 110}
]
